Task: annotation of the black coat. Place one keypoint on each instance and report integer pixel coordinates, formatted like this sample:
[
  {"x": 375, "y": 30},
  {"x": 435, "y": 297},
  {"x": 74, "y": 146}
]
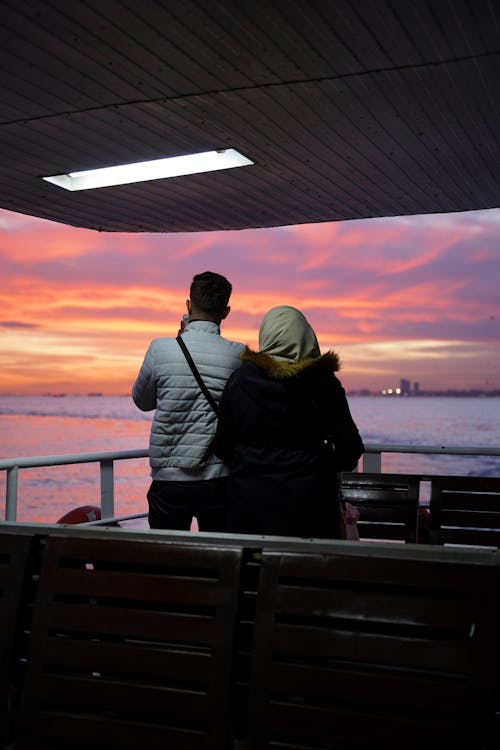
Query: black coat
[{"x": 275, "y": 419}]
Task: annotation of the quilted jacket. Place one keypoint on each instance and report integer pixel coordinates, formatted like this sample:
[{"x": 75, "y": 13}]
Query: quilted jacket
[{"x": 184, "y": 423}]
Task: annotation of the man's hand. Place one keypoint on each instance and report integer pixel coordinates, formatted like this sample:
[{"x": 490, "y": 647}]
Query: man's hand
[{"x": 183, "y": 324}]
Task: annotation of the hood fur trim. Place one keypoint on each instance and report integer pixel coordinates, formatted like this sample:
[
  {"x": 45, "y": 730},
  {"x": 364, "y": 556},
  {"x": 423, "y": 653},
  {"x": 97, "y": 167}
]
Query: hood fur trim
[{"x": 278, "y": 370}]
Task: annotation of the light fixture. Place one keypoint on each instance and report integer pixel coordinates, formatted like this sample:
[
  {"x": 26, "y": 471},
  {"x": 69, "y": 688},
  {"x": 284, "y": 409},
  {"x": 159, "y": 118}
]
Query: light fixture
[{"x": 158, "y": 169}]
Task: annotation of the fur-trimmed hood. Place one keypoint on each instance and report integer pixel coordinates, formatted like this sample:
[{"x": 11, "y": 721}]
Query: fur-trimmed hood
[{"x": 279, "y": 370}]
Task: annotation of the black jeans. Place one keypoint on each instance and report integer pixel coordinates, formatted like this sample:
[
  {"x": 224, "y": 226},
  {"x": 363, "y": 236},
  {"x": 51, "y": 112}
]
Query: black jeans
[{"x": 172, "y": 505}]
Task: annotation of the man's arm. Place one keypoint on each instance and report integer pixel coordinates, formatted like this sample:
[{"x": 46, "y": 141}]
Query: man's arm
[{"x": 144, "y": 388}]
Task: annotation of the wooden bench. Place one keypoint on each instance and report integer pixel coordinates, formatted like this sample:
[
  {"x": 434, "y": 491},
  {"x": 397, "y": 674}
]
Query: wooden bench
[
  {"x": 465, "y": 511},
  {"x": 18, "y": 575},
  {"x": 388, "y": 504},
  {"x": 132, "y": 644},
  {"x": 116, "y": 660},
  {"x": 379, "y": 647}
]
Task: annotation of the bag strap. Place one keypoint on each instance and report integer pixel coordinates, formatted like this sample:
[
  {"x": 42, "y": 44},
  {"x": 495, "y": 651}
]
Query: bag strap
[{"x": 197, "y": 375}]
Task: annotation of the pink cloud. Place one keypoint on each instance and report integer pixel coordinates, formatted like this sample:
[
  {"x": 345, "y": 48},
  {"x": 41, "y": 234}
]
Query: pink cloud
[{"x": 383, "y": 280}]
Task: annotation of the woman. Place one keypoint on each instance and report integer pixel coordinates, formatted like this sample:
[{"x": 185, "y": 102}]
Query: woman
[{"x": 279, "y": 415}]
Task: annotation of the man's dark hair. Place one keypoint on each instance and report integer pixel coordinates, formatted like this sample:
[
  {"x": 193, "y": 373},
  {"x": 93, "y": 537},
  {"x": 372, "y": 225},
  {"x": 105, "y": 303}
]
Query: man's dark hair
[{"x": 210, "y": 292}]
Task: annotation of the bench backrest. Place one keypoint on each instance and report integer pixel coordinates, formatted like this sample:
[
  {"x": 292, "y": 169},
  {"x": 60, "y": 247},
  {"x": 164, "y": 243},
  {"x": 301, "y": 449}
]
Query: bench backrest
[
  {"x": 132, "y": 645},
  {"x": 388, "y": 504},
  {"x": 465, "y": 511},
  {"x": 369, "y": 648},
  {"x": 16, "y": 600}
]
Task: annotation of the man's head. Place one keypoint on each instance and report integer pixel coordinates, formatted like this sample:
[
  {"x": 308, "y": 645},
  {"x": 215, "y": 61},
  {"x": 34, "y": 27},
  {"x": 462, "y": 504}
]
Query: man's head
[{"x": 209, "y": 297}]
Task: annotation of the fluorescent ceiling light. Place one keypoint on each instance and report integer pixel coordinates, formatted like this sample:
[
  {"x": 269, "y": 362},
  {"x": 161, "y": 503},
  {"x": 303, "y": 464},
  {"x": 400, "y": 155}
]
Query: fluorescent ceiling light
[{"x": 208, "y": 161}]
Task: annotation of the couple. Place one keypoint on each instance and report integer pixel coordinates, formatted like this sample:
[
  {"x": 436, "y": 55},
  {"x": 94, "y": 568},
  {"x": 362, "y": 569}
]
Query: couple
[{"x": 283, "y": 432}]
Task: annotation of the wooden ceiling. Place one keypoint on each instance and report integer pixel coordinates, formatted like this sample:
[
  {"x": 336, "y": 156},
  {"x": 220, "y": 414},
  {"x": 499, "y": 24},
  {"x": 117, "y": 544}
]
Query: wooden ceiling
[{"x": 349, "y": 109}]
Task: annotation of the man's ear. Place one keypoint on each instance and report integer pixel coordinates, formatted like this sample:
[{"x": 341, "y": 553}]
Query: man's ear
[
  {"x": 188, "y": 306},
  {"x": 226, "y": 312}
]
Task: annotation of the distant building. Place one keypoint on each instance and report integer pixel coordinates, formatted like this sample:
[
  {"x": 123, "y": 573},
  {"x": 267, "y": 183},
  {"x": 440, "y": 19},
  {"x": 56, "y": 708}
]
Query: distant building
[
  {"x": 405, "y": 387},
  {"x": 416, "y": 389}
]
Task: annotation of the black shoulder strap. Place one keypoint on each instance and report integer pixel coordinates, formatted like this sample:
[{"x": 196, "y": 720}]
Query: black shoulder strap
[{"x": 197, "y": 375}]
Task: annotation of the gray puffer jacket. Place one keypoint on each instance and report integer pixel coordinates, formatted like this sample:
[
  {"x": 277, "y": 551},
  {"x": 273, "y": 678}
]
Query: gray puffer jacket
[{"x": 184, "y": 423}]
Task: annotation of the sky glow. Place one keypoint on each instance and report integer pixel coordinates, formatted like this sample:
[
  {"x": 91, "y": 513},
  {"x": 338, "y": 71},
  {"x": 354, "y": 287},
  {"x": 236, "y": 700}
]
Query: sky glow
[{"x": 407, "y": 297}]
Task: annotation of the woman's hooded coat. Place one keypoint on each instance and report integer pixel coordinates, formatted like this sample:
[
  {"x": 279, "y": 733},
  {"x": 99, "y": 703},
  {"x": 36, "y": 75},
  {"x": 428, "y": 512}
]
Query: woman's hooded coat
[{"x": 279, "y": 413}]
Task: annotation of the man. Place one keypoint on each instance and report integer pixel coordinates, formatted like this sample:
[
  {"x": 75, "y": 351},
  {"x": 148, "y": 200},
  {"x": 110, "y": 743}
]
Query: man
[{"x": 188, "y": 480}]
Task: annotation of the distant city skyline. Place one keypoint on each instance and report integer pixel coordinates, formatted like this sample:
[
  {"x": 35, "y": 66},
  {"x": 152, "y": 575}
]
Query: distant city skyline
[{"x": 407, "y": 295}]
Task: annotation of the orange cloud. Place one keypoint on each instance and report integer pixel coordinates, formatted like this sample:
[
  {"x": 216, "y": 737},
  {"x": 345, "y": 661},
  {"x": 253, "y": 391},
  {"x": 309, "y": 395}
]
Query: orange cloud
[{"x": 78, "y": 308}]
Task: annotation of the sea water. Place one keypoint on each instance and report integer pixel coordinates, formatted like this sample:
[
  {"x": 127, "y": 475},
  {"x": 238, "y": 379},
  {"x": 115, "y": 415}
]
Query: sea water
[{"x": 48, "y": 425}]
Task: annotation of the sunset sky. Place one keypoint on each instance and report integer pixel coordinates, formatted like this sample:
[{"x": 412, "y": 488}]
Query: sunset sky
[{"x": 411, "y": 297}]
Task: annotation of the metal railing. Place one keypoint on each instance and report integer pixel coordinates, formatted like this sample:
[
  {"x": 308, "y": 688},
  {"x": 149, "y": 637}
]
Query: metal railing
[
  {"x": 371, "y": 463},
  {"x": 106, "y": 467},
  {"x": 372, "y": 457}
]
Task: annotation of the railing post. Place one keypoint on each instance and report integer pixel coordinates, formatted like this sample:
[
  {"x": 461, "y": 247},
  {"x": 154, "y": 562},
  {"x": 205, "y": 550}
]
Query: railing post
[
  {"x": 11, "y": 494},
  {"x": 107, "y": 489},
  {"x": 372, "y": 463}
]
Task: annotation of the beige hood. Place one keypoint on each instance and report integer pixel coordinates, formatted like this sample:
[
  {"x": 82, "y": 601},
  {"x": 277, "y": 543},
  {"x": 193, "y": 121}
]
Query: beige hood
[{"x": 286, "y": 335}]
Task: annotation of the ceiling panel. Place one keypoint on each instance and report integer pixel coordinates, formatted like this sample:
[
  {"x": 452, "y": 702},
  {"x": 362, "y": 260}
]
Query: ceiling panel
[{"x": 348, "y": 109}]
